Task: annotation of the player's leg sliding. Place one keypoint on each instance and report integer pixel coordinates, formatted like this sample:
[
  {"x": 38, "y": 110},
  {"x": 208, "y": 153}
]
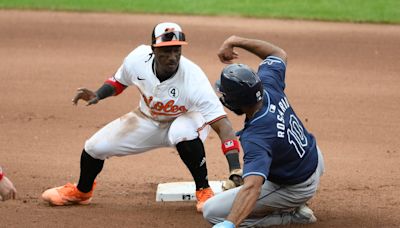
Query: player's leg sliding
[
  {"x": 193, "y": 155},
  {"x": 81, "y": 193},
  {"x": 300, "y": 215},
  {"x": 303, "y": 215}
]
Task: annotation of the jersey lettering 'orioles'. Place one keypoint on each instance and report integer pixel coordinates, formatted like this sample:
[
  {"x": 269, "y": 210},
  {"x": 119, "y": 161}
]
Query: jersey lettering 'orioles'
[{"x": 159, "y": 108}]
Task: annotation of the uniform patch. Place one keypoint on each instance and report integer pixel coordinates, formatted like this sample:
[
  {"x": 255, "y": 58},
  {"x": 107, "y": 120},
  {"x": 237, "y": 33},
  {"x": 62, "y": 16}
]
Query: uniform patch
[
  {"x": 258, "y": 96},
  {"x": 228, "y": 144},
  {"x": 173, "y": 92},
  {"x": 272, "y": 108}
]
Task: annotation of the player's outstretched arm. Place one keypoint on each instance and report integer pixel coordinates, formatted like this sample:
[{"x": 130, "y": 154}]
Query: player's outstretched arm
[
  {"x": 245, "y": 200},
  {"x": 111, "y": 87},
  {"x": 230, "y": 148},
  {"x": 261, "y": 48},
  {"x": 85, "y": 94},
  {"x": 7, "y": 189},
  {"x": 93, "y": 97}
]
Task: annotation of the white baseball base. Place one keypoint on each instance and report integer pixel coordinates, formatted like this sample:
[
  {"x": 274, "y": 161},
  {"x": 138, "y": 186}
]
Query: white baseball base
[{"x": 182, "y": 191}]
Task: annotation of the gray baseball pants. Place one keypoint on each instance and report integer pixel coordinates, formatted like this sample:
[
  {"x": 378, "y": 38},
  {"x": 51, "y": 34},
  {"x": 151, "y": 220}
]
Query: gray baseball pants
[{"x": 273, "y": 198}]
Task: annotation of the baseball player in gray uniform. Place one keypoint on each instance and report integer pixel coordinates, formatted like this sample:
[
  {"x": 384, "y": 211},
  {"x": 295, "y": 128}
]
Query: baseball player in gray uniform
[
  {"x": 177, "y": 107},
  {"x": 282, "y": 162}
]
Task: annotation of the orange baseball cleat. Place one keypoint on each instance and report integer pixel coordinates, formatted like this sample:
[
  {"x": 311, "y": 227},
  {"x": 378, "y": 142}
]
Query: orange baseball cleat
[
  {"x": 67, "y": 195},
  {"x": 202, "y": 196}
]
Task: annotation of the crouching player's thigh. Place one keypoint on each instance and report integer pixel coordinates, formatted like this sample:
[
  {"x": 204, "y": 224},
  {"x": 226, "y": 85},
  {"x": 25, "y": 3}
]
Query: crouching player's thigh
[
  {"x": 130, "y": 134},
  {"x": 187, "y": 127}
]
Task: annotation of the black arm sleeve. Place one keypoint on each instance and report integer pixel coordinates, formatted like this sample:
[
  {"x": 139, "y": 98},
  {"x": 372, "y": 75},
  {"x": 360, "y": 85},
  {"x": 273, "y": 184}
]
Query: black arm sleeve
[
  {"x": 105, "y": 90},
  {"x": 233, "y": 161}
]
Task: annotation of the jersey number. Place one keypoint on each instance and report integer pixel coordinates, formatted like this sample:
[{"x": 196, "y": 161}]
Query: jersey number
[
  {"x": 173, "y": 92},
  {"x": 296, "y": 135}
]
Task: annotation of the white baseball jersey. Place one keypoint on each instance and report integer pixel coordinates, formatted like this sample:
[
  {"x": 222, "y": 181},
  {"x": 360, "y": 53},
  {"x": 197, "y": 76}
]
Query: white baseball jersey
[{"x": 189, "y": 90}]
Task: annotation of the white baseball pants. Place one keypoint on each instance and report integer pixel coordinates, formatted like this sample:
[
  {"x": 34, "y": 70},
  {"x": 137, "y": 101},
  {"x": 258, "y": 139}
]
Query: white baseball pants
[{"x": 135, "y": 133}]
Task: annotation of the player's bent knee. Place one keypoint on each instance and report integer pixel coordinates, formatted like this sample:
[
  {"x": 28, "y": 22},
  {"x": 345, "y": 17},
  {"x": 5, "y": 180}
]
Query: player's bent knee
[
  {"x": 209, "y": 213},
  {"x": 97, "y": 150},
  {"x": 211, "y": 217},
  {"x": 185, "y": 127}
]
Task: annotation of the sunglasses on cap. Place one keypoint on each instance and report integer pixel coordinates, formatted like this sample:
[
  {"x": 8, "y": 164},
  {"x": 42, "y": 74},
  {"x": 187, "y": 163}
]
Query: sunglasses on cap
[{"x": 169, "y": 38}]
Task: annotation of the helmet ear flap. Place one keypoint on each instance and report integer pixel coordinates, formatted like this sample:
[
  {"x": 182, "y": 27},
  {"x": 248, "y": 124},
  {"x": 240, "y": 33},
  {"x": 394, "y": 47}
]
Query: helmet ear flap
[{"x": 237, "y": 111}]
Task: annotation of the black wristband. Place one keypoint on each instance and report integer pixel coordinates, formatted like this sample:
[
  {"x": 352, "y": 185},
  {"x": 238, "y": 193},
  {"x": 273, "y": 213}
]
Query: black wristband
[
  {"x": 105, "y": 90},
  {"x": 233, "y": 161}
]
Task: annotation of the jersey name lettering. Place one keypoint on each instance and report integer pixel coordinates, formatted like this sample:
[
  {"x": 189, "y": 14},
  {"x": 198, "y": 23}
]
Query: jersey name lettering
[
  {"x": 160, "y": 108},
  {"x": 283, "y": 105}
]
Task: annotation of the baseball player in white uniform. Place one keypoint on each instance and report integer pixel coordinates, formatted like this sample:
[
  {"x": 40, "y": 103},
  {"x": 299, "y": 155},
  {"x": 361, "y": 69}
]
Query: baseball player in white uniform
[{"x": 177, "y": 107}]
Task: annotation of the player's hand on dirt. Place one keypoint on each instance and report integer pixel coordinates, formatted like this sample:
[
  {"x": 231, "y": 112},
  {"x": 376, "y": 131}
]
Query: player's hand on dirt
[
  {"x": 226, "y": 53},
  {"x": 7, "y": 189},
  {"x": 87, "y": 95},
  {"x": 235, "y": 180}
]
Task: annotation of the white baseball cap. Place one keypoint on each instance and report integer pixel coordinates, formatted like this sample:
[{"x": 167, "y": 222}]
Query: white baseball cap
[{"x": 168, "y": 34}]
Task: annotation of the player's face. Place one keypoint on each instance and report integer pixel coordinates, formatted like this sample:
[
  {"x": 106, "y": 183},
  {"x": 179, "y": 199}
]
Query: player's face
[{"x": 167, "y": 59}]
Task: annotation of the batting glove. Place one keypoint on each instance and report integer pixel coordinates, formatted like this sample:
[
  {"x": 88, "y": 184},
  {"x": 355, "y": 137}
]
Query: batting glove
[
  {"x": 235, "y": 180},
  {"x": 224, "y": 224}
]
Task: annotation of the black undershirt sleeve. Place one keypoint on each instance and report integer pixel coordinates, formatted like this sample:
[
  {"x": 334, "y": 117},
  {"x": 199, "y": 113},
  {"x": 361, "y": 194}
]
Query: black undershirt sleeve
[{"x": 105, "y": 90}]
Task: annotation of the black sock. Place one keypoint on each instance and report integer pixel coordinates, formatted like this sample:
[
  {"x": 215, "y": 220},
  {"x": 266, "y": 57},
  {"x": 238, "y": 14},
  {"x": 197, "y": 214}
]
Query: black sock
[
  {"x": 90, "y": 168},
  {"x": 193, "y": 155}
]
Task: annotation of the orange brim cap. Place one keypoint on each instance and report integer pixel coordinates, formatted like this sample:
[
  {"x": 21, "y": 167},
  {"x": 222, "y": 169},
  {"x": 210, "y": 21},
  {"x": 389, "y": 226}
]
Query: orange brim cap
[{"x": 170, "y": 43}]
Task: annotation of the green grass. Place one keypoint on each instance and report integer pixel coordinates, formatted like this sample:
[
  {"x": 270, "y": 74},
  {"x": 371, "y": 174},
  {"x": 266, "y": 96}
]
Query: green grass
[{"x": 372, "y": 11}]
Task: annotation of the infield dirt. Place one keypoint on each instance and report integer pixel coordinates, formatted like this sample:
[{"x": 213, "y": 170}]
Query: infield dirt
[{"x": 342, "y": 79}]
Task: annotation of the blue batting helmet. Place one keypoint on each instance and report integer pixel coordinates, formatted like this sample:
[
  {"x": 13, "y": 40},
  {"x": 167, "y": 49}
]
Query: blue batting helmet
[{"x": 240, "y": 86}]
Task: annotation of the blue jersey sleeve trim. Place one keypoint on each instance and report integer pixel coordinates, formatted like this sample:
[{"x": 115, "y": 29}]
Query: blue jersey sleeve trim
[
  {"x": 276, "y": 58},
  {"x": 254, "y": 174},
  {"x": 266, "y": 111}
]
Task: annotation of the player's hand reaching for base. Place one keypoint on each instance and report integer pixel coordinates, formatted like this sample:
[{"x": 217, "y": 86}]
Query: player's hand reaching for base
[{"x": 87, "y": 95}]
